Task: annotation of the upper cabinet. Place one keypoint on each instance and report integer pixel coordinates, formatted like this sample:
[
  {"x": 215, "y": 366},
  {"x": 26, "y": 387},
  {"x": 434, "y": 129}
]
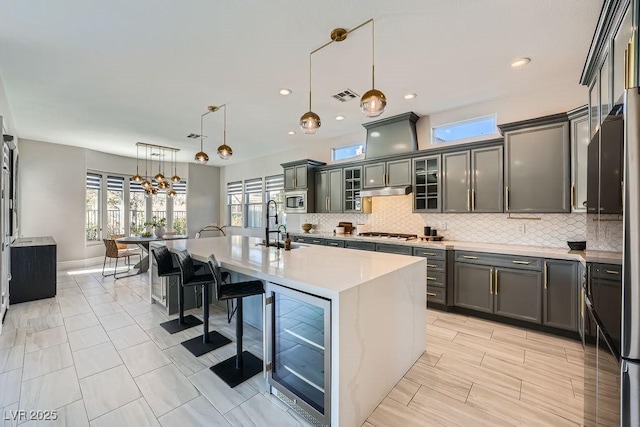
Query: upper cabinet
[
  {"x": 580, "y": 138},
  {"x": 387, "y": 174},
  {"x": 297, "y": 174},
  {"x": 353, "y": 202},
  {"x": 537, "y": 165},
  {"x": 456, "y": 182},
  {"x": 426, "y": 184},
  {"x": 329, "y": 191}
]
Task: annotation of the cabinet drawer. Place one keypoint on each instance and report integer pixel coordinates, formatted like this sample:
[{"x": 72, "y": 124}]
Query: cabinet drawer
[
  {"x": 317, "y": 241},
  {"x": 336, "y": 243},
  {"x": 393, "y": 249},
  {"x": 310, "y": 240},
  {"x": 364, "y": 246},
  {"x": 499, "y": 260},
  {"x": 436, "y": 279},
  {"x": 609, "y": 272},
  {"x": 436, "y": 265},
  {"x": 430, "y": 253},
  {"x": 435, "y": 294}
]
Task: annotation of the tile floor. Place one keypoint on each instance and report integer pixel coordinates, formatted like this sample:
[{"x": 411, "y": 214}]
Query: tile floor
[{"x": 96, "y": 354}]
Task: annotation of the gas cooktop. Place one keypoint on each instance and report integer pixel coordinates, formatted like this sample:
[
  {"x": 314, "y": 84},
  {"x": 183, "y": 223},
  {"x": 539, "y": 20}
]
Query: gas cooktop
[{"x": 398, "y": 236}]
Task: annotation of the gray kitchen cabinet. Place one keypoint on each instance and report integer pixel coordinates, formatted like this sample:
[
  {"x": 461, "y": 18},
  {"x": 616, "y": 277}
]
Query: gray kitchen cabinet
[
  {"x": 363, "y": 246},
  {"x": 391, "y": 173},
  {"x": 560, "y": 294},
  {"x": 352, "y": 184},
  {"x": 329, "y": 191},
  {"x": 427, "y": 184},
  {"x": 298, "y": 175},
  {"x": 456, "y": 182},
  {"x": 473, "y": 287},
  {"x": 537, "y": 167},
  {"x": 518, "y": 294},
  {"x": 394, "y": 249},
  {"x": 487, "y": 183},
  {"x": 334, "y": 242},
  {"x": 579, "y": 158}
]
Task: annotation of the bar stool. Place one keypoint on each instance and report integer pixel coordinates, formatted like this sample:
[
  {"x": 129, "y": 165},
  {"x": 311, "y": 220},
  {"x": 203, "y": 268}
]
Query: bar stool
[
  {"x": 244, "y": 365},
  {"x": 209, "y": 340},
  {"x": 166, "y": 269}
]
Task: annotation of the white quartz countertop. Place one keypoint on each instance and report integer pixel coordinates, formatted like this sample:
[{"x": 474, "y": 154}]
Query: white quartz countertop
[
  {"x": 318, "y": 270},
  {"x": 534, "y": 251}
]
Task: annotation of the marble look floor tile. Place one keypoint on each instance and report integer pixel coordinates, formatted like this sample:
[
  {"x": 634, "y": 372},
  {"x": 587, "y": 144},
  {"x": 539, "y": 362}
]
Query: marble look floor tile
[
  {"x": 114, "y": 321},
  {"x": 13, "y": 337},
  {"x": 67, "y": 284},
  {"x": 88, "y": 337},
  {"x": 134, "y": 414},
  {"x": 165, "y": 340},
  {"x": 195, "y": 413},
  {"x": 44, "y": 322},
  {"x": 138, "y": 307},
  {"x": 11, "y": 358},
  {"x": 45, "y": 339},
  {"x": 50, "y": 391},
  {"x": 108, "y": 308},
  {"x": 108, "y": 390},
  {"x": 165, "y": 389},
  {"x": 218, "y": 393},
  {"x": 42, "y": 362},
  {"x": 259, "y": 411},
  {"x": 81, "y": 321},
  {"x": 98, "y": 358},
  {"x": 71, "y": 415},
  {"x": 73, "y": 305},
  {"x": 67, "y": 292},
  {"x": 94, "y": 292},
  {"x": 404, "y": 391},
  {"x": 143, "y": 358},
  {"x": 9, "y": 415},
  {"x": 151, "y": 319},
  {"x": 99, "y": 299},
  {"x": 124, "y": 295},
  {"x": 10, "y": 389},
  {"x": 128, "y": 336},
  {"x": 184, "y": 360},
  {"x": 392, "y": 413}
]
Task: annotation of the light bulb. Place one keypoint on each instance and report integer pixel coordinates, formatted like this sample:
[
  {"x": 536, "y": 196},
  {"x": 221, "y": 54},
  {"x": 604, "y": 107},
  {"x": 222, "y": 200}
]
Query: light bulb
[
  {"x": 171, "y": 193},
  {"x": 224, "y": 151},
  {"x": 146, "y": 184},
  {"x": 310, "y": 122},
  {"x": 373, "y": 103},
  {"x": 175, "y": 178},
  {"x": 137, "y": 178},
  {"x": 159, "y": 177},
  {"x": 201, "y": 157}
]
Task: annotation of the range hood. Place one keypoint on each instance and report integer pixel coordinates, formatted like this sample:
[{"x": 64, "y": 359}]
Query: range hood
[{"x": 388, "y": 137}]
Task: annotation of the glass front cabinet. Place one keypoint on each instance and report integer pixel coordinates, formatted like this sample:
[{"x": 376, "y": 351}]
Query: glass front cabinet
[
  {"x": 426, "y": 184},
  {"x": 298, "y": 352}
]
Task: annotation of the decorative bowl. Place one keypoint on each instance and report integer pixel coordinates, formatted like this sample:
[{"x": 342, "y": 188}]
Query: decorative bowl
[
  {"x": 580, "y": 245},
  {"x": 306, "y": 227}
]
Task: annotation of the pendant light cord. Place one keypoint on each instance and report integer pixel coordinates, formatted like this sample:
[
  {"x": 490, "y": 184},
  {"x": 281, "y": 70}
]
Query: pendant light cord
[
  {"x": 137, "y": 158},
  {"x": 224, "y": 132},
  {"x": 310, "y": 80},
  {"x": 373, "y": 54}
]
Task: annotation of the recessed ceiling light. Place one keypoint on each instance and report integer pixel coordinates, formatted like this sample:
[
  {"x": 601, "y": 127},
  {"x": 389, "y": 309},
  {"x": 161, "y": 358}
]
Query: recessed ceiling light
[
  {"x": 340, "y": 117},
  {"x": 410, "y": 96},
  {"x": 375, "y": 134},
  {"x": 285, "y": 91},
  {"x": 520, "y": 62},
  {"x": 291, "y": 132}
]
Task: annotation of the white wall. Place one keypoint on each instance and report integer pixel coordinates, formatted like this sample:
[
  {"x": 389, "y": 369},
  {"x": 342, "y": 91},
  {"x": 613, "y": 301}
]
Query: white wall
[
  {"x": 203, "y": 197},
  {"x": 5, "y": 111}
]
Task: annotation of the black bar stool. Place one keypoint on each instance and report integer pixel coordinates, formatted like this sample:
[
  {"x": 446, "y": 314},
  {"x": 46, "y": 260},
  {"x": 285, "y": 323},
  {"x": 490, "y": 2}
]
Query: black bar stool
[
  {"x": 209, "y": 340},
  {"x": 239, "y": 368},
  {"x": 166, "y": 269}
]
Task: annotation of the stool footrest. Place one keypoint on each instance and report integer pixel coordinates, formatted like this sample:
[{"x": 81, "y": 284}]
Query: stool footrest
[
  {"x": 173, "y": 326},
  {"x": 227, "y": 371},
  {"x": 198, "y": 347}
]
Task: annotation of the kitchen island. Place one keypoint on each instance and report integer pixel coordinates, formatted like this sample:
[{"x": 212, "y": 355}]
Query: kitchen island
[{"x": 377, "y": 310}]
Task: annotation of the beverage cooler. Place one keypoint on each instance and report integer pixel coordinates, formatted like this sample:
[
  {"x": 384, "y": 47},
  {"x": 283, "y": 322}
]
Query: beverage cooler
[{"x": 298, "y": 352}]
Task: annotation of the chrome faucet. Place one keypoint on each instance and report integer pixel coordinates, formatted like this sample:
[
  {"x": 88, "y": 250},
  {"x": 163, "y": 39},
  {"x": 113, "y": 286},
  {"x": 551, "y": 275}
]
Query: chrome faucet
[{"x": 267, "y": 230}]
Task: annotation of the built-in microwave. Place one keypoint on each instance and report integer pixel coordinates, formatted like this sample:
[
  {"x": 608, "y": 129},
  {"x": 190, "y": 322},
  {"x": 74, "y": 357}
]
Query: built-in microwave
[{"x": 295, "y": 202}]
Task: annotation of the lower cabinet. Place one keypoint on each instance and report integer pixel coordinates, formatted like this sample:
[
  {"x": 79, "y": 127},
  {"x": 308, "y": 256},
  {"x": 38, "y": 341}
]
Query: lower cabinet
[
  {"x": 561, "y": 294},
  {"x": 473, "y": 287},
  {"x": 517, "y": 294}
]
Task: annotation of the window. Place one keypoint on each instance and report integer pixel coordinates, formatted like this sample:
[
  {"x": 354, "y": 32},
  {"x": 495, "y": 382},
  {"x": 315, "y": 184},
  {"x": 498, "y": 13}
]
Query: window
[
  {"x": 234, "y": 203},
  {"x": 465, "y": 130},
  {"x": 93, "y": 211},
  {"x": 274, "y": 190},
  {"x": 115, "y": 205},
  {"x": 349, "y": 152},
  {"x": 137, "y": 208},
  {"x": 253, "y": 202},
  {"x": 159, "y": 205},
  {"x": 180, "y": 207}
]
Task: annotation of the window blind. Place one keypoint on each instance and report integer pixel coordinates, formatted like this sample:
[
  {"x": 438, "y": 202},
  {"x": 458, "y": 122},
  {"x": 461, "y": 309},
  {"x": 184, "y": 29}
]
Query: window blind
[
  {"x": 274, "y": 183},
  {"x": 253, "y": 185},
  {"x": 180, "y": 187},
  {"x": 115, "y": 183},
  {"x": 93, "y": 181},
  {"x": 135, "y": 187},
  {"x": 234, "y": 187}
]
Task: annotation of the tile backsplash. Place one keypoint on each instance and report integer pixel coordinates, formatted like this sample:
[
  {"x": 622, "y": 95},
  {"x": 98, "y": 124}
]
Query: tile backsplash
[{"x": 394, "y": 214}]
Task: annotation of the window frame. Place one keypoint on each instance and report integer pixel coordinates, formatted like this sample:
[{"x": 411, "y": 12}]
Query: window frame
[
  {"x": 352, "y": 158},
  {"x": 235, "y": 188},
  {"x": 99, "y": 210},
  {"x": 495, "y": 134},
  {"x": 253, "y": 186}
]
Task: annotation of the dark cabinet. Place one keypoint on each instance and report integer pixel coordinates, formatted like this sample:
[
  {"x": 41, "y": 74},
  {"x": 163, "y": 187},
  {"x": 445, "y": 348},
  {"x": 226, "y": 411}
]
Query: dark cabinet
[
  {"x": 473, "y": 287},
  {"x": 363, "y": 246},
  {"x": 393, "y": 249},
  {"x": 299, "y": 175},
  {"x": 606, "y": 297},
  {"x": 436, "y": 274},
  {"x": 329, "y": 191},
  {"x": 334, "y": 242},
  {"x": 518, "y": 294},
  {"x": 33, "y": 269},
  {"x": 561, "y": 294},
  {"x": 456, "y": 182},
  {"x": 387, "y": 174},
  {"x": 309, "y": 239},
  {"x": 611, "y": 164},
  {"x": 579, "y": 158},
  {"x": 426, "y": 184},
  {"x": 352, "y": 185},
  {"x": 537, "y": 168}
]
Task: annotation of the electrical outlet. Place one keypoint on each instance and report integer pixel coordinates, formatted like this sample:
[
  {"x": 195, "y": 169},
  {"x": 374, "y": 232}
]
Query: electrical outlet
[
  {"x": 443, "y": 226},
  {"x": 522, "y": 228}
]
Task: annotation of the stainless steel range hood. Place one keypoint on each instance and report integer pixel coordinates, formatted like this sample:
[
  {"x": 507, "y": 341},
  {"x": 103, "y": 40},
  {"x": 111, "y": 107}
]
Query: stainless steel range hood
[{"x": 388, "y": 137}]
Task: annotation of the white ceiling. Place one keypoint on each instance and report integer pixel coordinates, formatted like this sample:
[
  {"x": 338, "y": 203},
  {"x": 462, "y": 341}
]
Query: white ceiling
[{"x": 104, "y": 75}]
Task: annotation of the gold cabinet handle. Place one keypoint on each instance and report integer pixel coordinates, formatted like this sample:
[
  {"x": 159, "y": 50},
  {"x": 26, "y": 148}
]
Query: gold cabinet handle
[
  {"x": 468, "y": 200},
  {"x": 506, "y": 197},
  {"x": 469, "y": 257},
  {"x": 521, "y": 262},
  {"x": 431, "y": 278},
  {"x": 473, "y": 199},
  {"x": 432, "y": 266},
  {"x": 612, "y": 272},
  {"x": 581, "y": 302},
  {"x": 431, "y": 294},
  {"x": 546, "y": 273},
  {"x": 495, "y": 286},
  {"x": 428, "y": 253},
  {"x": 573, "y": 196},
  {"x": 491, "y": 281}
]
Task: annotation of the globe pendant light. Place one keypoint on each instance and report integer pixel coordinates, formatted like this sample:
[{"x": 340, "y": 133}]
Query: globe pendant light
[
  {"x": 159, "y": 176},
  {"x": 175, "y": 177},
  {"x": 137, "y": 177},
  {"x": 201, "y": 157},
  {"x": 171, "y": 193},
  {"x": 373, "y": 102},
  {"x": 310, "y": 121},
  {"x": 146, "y": 183},
  {"x": 224, "y": 151}
]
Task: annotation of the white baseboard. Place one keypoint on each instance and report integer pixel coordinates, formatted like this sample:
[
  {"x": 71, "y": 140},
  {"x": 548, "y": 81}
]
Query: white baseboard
[{"x": 65, "y": 265}]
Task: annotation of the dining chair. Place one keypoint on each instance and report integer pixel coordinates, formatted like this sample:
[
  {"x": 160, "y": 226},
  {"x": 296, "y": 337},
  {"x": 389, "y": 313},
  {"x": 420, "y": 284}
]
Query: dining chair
[
  {"x": 112, "y": 252},
  {"x": 211, "y": 231}
]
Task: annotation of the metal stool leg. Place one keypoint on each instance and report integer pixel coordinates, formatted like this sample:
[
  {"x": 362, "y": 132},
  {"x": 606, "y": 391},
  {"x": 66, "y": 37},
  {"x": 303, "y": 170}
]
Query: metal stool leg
[{"x": 182, "y": 322}]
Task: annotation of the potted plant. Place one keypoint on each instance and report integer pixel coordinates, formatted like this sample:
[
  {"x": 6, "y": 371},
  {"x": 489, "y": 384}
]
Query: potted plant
[{"x": 158, "y": 225}]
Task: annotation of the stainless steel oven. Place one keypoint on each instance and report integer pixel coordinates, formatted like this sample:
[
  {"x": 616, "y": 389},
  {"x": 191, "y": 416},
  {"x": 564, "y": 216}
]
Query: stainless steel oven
[{"x": 295, "y": 202}]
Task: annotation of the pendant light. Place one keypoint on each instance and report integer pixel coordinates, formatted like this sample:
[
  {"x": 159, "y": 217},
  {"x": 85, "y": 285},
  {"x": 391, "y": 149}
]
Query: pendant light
[
  {"x": 201, "y": 157},
  {"x": 137, "y": 177},
  {"x": 175, "y": 177},
  {"x": 224, "y": 151},
  {"x": 159, "y": 176},
  {"x": 373, "y": 102},
  {"x": 146, "y": 183},
  {"x": 310, "y": 121}
]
